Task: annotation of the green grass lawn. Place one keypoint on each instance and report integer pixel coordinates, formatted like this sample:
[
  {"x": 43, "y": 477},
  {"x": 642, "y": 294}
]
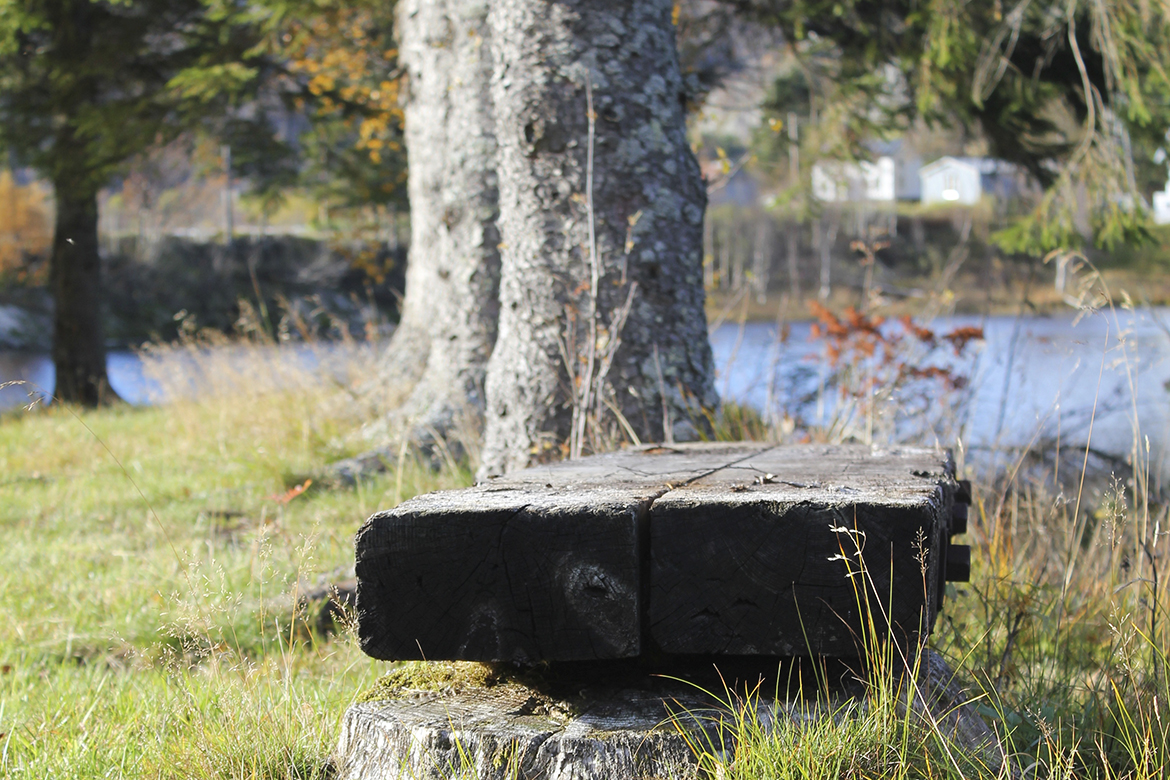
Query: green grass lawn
[
  {"x": 149, "y": 562},
  {"x": 147, "y": 573}
]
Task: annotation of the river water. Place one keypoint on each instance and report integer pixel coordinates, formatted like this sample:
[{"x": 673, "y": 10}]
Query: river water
[{"x": 1031, "y": 379}]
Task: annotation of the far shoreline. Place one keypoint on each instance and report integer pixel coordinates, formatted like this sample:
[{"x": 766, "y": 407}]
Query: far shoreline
[{"x": 968, "y": 295}]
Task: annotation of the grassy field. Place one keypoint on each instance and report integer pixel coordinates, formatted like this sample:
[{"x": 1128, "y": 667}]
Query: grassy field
[
  {"x": 150, "y": 557},
  {"x": 147, "y": 573}
]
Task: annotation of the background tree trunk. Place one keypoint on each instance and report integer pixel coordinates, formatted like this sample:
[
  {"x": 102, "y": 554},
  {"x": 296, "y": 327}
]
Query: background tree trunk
[
  {"x": 792, "y": 238},
  {"x": 438, "y": 355},
  {"x": 648, "y": 201},
  {"x": 75, "y": 278}
]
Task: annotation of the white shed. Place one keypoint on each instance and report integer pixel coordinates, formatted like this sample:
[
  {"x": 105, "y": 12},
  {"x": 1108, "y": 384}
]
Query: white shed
[
  {"x": 837, "y": 182},
  {"x": 1162, "y": 208},
  {"x": 1162, "y": 205},
  {"x": 951, "y": 180}
]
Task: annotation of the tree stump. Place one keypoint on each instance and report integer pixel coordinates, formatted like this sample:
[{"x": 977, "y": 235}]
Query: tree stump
[
  {"x": 503, "y": 734},
  {"x": 632, "y": 729}
]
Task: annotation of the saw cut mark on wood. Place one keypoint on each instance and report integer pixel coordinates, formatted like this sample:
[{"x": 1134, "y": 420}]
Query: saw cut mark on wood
[{"x": 730, "y": 548}]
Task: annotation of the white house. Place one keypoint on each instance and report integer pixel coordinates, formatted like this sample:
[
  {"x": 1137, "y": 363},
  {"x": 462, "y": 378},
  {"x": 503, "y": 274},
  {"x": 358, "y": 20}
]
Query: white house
[
  {"x": 1162, "y": 205},
  {"x": 840, "y": 182},
  {"x": 907, "y": 162},
  {"x": 951, "y": 180}
]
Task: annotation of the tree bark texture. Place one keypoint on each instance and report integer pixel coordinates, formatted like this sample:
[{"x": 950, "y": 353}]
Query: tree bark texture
[
  {"x": 625, "y": 726},
  {"x": 75, "y": 277},
  {"x": 439, "y": 352},
  {"x": 648, "y": 202},
  {"x": 512, "y": 731}
]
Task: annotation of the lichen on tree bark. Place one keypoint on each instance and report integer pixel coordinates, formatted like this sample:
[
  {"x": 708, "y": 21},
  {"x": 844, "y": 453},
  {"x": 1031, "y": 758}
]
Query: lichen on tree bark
[
  {"x": 648, "y": 202},
  {"x": 497, "y": 93},
  {"x": 438, "y": 354}
]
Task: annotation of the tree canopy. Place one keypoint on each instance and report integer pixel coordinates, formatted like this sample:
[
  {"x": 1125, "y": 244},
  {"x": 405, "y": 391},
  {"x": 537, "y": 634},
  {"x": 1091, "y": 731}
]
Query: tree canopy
[
  {"x": 345, "y": 61},
  {"x": 86, "y": 86},
  {"x": 1076, "y": 93}
]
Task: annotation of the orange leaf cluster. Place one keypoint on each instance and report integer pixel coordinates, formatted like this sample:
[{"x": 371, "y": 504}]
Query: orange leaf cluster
[
  {"x": 854, "y": 332},
  {"x": 291, "y": 493},
  {"x": 925, "y": 335},
  {"x": 855, "y": 338},
  {"x": 345, "y": 55},
  {"x": 25, "y": 229},
  {"x": 959, "y": 337}
]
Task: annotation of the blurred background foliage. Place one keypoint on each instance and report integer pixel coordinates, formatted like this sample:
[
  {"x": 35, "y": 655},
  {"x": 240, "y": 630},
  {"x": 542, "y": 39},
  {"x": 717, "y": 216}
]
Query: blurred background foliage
[{"x": 283, "y": 123}]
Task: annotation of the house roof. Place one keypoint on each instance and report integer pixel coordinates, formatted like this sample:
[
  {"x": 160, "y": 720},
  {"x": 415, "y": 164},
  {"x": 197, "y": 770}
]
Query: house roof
[
  {"x": 986, "y": 166},
  {"x": 947, "y": 162}
]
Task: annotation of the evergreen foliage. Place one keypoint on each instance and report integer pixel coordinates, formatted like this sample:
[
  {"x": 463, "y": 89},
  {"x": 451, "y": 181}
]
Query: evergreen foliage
[
  {"x": 1076, "y": 93},
  {"x": 86, "y": 84}
]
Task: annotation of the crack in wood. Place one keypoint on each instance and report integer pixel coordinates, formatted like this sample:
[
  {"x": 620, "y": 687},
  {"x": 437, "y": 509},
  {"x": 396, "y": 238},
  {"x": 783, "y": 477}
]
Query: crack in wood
[{"x": 655, "y": 549}]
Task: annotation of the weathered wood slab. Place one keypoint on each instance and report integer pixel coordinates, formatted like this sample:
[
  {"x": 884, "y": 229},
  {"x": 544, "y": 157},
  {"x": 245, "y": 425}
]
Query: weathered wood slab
[
  {"x": 707, "y": 548},
  {"x": 543, "y": 565},
  {"x": 504, "y": 574},
  {"x": 790, "y": 551}
]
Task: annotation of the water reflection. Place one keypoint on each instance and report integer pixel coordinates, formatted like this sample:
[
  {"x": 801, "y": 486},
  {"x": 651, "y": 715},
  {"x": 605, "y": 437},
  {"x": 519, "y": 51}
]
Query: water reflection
[{"x": 34, "y": 371}]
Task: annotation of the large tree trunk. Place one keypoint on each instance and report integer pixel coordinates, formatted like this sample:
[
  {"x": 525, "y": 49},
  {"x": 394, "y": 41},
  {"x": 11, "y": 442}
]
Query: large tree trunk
[
  {"x": 648, "y": 202},
  {"x": 438, "y": 355},
  {"x": 75, "y": 278}
]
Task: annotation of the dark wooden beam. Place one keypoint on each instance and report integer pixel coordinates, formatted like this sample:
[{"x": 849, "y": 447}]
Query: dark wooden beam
[
  {"x": 793, "y": 551},
  {"x": 741, "y": 549}
]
